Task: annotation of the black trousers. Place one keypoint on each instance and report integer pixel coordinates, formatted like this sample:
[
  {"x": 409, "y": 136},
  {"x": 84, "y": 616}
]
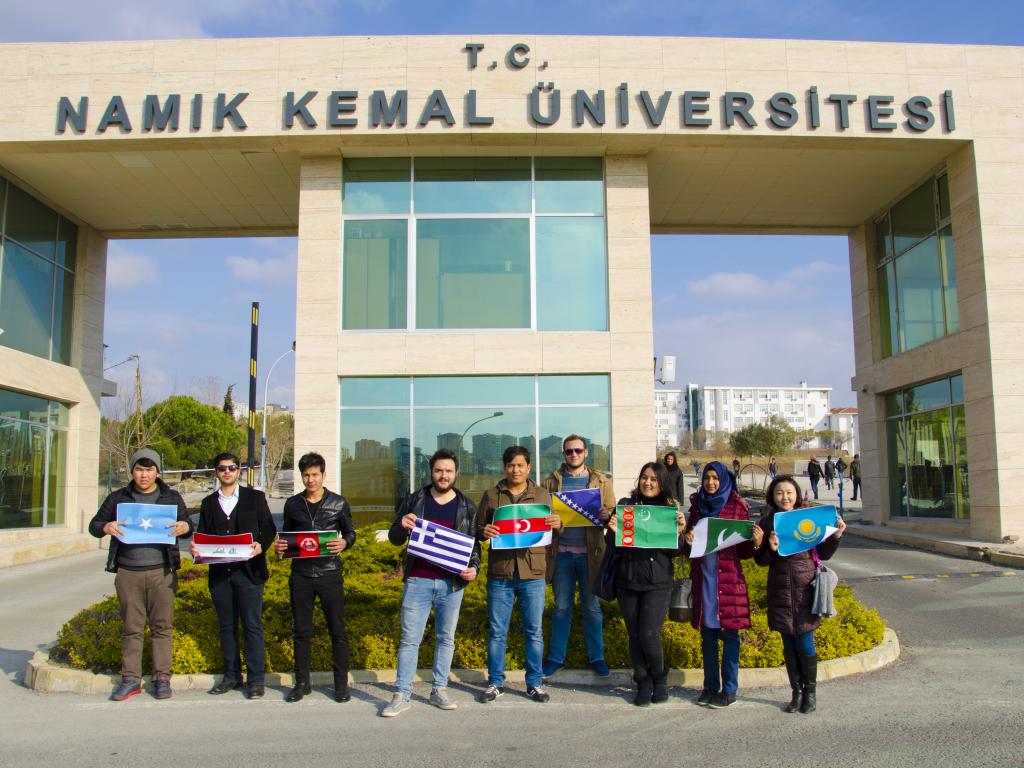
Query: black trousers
[
  {"x": 331, "y": 591},
  {"x": 644, "y": 613},
  {"x": 856, "y": 487},
  {"x": 236, "y": 596}
]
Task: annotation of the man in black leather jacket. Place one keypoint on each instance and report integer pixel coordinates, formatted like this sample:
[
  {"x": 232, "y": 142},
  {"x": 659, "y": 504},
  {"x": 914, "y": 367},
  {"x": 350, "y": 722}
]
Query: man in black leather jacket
[{"x": 318, "y": 509}]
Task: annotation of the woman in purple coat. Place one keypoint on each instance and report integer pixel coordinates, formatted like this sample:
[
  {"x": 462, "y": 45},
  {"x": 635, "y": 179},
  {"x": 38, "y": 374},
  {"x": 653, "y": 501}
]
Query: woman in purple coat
[{"x": 721, "y": 607}]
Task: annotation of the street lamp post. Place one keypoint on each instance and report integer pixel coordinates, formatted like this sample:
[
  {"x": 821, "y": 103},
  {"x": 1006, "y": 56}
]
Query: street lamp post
[
  {"x": 458, "y": 450},
  {"x": 263, "y": 434}
]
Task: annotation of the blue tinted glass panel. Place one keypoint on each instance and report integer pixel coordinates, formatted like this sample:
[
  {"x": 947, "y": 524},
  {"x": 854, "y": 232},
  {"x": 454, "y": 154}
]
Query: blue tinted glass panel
[
  {"x": 569, "y": 185},
  {"x": 592, "y": 424},
  {"x": 572, "y": 274},
  {"x": 472, "y": 185},
  {"x": 377, "y": 185},
  {"x": 26, "y": 300},
  {"x": 474, "y": 390},
  {"x": 375, "y": 277},
  {"x": 371, "y": 392},
  {"x": 63, "y": 297},
  {"x": 15, "y": 405},
  {"x": 956, "y": 385},
  {"x": 473, "y": 273},
  {"x": 374, "y": 462},
  {"x": 934, "y": 394},
  {"x": 67, "y": 244},
  {"x": 30, "y": 222},
  {"x": 921, "y": 302},
  {"x": 889, "y": 329},
  {"x": 949, "y": 291},
  {"x": 913, "y": 217},
  {"x": 574, "y": 390}
]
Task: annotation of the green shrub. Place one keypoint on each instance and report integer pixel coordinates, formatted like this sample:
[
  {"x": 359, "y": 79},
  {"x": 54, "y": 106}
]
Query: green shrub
[{"x": 373, "y": 592}]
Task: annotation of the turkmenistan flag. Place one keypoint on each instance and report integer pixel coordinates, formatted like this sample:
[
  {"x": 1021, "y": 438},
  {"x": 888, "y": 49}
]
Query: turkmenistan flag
[
  {"x": 646, "y": 527},
  {"x": 712, "y": 534},
  {"x": 307, "y": 543},
  {"x": 521, "y": 525}
]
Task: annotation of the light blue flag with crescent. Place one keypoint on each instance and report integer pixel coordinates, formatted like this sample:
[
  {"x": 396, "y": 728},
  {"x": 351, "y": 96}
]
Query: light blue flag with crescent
[
  {"x": 803, "y": 529},
  {"x": 146, "y": 523}
]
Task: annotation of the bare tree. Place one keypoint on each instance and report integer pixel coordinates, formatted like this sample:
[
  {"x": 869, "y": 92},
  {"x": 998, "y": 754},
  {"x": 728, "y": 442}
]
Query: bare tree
[
  {"x": 208, "y": 389},
  {"x": 124, "y": 431},
  {"x": 280, "y": 445}
]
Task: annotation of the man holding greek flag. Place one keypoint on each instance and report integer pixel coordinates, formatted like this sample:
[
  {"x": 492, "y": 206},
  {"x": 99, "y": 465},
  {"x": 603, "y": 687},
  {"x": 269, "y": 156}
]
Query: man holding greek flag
[{"x": 440, "y": 525}]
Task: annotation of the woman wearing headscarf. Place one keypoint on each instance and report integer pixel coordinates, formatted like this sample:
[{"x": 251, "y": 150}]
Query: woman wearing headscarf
[
  {"x": 675, "y": 475},
  {"x": 721, "y": 607}
]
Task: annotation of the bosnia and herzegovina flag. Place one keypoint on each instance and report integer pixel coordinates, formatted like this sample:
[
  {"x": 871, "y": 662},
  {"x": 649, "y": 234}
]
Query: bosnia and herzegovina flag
[
  {"x": 521, "y": 525},
  {"x": 307, "y": 543},
  {"x": 646, "y": 526},
  {"x": 712, "y": 534},
  {"x": 802, "y": 529},
  {"x": 577, "y": 508}
]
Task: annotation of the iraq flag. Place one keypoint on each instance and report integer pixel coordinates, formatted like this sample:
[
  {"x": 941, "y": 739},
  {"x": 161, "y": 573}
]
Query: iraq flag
[
  {"x": 307, "y": 543},
  {"x": 521, "y": 526},
  {"x": 803, "y": 529},
  {"x": 712, "y": 534}
]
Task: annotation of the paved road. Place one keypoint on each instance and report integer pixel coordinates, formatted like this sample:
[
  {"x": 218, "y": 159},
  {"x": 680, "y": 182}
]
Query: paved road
[{"x": 954, "y": 698}]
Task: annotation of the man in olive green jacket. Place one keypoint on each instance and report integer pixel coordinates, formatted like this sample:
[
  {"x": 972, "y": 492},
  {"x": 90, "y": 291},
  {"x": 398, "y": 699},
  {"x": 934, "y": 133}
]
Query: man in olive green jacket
[
  {"x": 515, "y": 574},
  {"x": 578, "y": 556}
]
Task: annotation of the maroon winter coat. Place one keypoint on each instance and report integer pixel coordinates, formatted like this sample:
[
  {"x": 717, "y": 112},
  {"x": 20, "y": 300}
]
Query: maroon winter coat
[
  {"x": 791, "y": 583},
  {"x": 733, "y": 602}
]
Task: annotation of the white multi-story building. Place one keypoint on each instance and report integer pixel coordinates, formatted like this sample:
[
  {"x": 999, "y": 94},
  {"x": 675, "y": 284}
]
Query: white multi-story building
[
  {"x": 728, "y": 409},
  {"x": 669, "y": 417},
  {"x": 843, "y": 422}
]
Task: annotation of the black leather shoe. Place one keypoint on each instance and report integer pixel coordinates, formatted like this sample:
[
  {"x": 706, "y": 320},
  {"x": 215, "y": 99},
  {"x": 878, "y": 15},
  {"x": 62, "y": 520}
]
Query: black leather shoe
[
  {"x": 341, "y": 695},
  {"x": 223, "y": 687},
  {"x": 255, "y": 692},
  {"x": 296, "y": 693}
]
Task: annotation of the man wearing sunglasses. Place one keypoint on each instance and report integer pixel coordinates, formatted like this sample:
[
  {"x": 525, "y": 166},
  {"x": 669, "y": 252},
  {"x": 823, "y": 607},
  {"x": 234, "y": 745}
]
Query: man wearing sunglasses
[
  {"x": 580, "y": 551},
  {"x": 237, "y": 588}
]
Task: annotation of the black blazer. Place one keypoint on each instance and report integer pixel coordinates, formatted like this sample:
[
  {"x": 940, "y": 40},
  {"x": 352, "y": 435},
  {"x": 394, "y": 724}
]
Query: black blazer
[{"x": 253, "y": 517}]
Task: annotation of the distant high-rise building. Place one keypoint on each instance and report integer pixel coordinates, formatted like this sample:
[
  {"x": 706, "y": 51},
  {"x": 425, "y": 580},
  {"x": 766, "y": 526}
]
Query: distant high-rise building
[{"x": 669, "y": 417}]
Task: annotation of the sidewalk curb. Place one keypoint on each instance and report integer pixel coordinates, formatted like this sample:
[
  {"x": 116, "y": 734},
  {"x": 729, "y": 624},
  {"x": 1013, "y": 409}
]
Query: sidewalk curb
[
  {"x": 967, "y": 549},
  {"x": 43, "y": 676}
]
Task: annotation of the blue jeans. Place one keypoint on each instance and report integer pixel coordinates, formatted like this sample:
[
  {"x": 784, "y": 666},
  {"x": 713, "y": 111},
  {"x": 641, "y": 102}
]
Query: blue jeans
[
  {"x": 814, "y": 486},
  {"x": 802, "y": 645},
  {"x": 235, "y": 597},
  {"x": 730, "y": 659},
  {"x": 501, "y": 594},
  {"x": 571, "y": 569},
  {"x": 419, "y": 597}
]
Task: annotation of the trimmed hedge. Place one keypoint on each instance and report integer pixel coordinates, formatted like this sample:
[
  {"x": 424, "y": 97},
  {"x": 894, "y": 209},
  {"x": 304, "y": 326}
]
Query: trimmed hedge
[{"x": 373, "y": 591}]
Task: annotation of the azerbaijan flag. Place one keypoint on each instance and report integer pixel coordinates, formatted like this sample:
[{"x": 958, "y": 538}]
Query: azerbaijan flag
[{"x": 521, "y": 525}]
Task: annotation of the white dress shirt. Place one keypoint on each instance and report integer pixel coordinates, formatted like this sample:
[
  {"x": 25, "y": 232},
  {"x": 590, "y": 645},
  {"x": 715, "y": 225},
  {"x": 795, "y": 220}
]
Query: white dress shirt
[{"x": 227, "y": 503}]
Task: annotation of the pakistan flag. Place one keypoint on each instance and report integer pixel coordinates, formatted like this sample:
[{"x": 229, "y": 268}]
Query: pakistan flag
[{"x": 712, "y": 534}]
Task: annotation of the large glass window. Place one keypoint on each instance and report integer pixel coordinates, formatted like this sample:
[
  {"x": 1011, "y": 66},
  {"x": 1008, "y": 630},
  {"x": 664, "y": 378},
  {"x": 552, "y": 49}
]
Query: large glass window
[
  {"x": 928, "y": 450},
  {"x": 37, "y": 259},
  {"x": 916, "y": 278},
  {"x": 391, "y": 426},
  {"x": 33, "y": 461},
  {"x": 483, "y": 242}
]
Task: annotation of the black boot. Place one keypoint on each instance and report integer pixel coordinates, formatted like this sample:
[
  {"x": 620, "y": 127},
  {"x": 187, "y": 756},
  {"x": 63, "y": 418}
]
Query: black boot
[
  {"x": 341, "y": 694},
  {"x": 660, "y": 694},
  {"x": 795, "y": 680},
  {"x": 302, "y": 688},
  {"x": 809, "y": 671},
  {"x": 644, "y": 692}
]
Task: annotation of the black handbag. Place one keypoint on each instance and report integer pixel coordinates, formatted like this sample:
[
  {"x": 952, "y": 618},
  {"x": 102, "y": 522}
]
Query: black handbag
[{"x": 604, "y": 584}]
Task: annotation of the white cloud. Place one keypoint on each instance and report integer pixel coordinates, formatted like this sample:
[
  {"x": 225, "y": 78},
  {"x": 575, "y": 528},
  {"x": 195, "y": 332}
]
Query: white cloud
[
  {"x": 732, "y": 285},
  {"x": 129, "y": 269},
  {"x": 251, "y": 269}
]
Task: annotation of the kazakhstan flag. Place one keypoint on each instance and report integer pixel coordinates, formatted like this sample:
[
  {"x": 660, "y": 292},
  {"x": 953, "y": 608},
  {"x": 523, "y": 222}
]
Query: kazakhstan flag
[{"x": 803, "y": 529}]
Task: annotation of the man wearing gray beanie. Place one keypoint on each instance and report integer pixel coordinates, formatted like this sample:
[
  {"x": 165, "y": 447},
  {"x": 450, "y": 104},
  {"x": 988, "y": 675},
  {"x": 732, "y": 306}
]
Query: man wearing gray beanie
[{"x": 146, "y": 576}]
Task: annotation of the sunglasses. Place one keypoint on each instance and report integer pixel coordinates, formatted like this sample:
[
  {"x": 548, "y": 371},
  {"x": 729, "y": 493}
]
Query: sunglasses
[
  {"x": 576, "y": 451},
  {"x": 227, "y": 467}
]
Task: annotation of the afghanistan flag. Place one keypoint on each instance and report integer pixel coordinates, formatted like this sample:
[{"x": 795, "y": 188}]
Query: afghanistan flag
[
  {"x": 803, "y": 529},
  {"x": 712, "y": 534},
  {"x": 307, "y": 543},
  {"x": 521, "y": 525},
  {"x": 646, "y": 526},
  {"x": 577, "y": 508}
]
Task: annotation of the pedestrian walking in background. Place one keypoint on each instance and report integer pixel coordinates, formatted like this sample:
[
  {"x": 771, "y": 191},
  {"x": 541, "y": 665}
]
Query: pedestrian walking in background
[
  {"x": 855, "y": 474},
  {"x": 677, "y": 481},
  {"x": 814, "y": 473},
  {"x": 790, "y": 594},
  {"x": 773, "y": 467},
  {"x": 830, "y": 473},
  {"x": 721, "y": 607}
]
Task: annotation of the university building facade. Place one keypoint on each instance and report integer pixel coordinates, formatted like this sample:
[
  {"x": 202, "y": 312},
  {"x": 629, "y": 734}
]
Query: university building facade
[{"x": 473, "y": 219}]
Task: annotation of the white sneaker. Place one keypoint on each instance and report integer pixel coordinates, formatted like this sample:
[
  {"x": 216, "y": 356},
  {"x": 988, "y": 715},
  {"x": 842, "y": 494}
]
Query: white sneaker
[{"x": 397, "y": 706}]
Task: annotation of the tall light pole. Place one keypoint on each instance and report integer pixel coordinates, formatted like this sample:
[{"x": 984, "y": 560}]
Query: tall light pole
[
  {"x": 496, "y": 414},
  {"x": 263, "y": 436}
]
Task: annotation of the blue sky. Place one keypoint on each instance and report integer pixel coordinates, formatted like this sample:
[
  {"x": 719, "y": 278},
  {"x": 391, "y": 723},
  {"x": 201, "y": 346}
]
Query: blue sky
[{"x": 717, "y": 299}]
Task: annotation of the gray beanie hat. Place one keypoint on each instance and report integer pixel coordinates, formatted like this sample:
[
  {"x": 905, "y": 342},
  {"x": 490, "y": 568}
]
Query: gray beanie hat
[{"x": 147, "y": 453}]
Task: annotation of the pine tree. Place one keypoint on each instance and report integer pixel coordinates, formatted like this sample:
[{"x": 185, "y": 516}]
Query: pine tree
[{"x": 229, "y": 402}]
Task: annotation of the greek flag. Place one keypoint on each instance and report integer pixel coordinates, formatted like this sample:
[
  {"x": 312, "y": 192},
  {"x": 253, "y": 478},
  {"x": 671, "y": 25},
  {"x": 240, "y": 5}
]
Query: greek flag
[{"x": 441, "y": 546}]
